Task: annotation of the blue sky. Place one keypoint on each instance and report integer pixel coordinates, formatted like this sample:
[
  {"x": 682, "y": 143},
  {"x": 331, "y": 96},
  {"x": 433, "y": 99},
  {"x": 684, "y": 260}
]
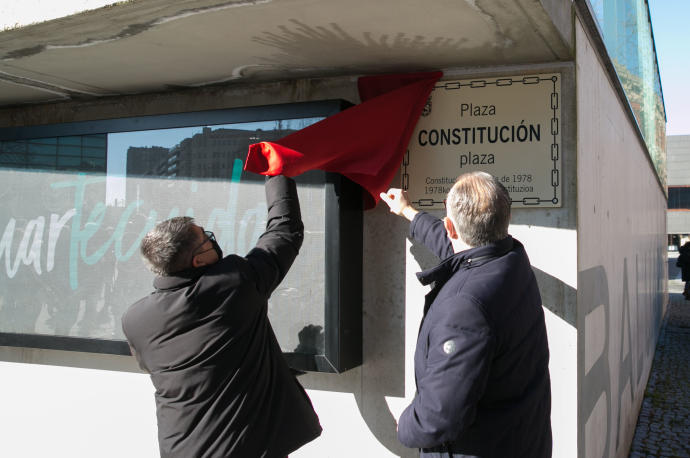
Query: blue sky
[{"x": 672, "y": 41}]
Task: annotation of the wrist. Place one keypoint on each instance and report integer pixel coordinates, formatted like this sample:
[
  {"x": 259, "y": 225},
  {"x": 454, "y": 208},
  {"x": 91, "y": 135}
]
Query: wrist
[{"x": 409, "y": 212}]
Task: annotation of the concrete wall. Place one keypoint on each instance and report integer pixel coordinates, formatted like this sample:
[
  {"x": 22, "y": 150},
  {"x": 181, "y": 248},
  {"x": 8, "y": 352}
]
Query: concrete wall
[{"x": 621, "y": 287}]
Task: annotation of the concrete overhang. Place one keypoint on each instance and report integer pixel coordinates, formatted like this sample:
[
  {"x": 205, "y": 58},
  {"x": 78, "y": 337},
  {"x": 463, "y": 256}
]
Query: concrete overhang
[{"x": 145, "y": 46}]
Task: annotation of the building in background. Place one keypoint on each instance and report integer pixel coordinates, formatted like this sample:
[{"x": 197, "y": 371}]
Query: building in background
[{"x": 678, "y": 163}]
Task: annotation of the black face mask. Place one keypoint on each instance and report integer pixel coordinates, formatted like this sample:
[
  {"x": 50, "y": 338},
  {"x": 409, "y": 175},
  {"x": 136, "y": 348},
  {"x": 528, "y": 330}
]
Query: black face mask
[{"x": 217, "y": 249}]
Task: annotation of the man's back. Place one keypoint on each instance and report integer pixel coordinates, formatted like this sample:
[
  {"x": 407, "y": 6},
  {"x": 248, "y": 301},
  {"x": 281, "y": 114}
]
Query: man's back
[
  {"x": 482, "y": 355},
  {"x": 513, "y": 413},
  {"x": 222, "y": 386}
]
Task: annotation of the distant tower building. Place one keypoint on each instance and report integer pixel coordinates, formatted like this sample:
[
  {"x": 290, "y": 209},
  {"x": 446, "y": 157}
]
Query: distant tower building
[
  {"x": 148, "y": 160},
  {"x": 678, "y": 176},
  {"x": 212, "y": 153}
]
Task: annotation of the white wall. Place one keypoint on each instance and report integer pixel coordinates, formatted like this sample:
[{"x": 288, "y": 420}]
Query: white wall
[
  {"x": 621, "y": 262},
  {"x": 55, "y": 411}
]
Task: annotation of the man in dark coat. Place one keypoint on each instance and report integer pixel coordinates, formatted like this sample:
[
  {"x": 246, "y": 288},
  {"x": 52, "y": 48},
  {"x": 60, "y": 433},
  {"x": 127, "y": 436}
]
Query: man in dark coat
[
  {"x": 223, "y": 388},
  {"x": 481, "y": 362},
  {"x": 683, "y": 262}
]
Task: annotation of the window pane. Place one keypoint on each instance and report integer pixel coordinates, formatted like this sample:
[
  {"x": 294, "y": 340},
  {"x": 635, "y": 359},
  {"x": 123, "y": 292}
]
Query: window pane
[
  {"x": 12, "y": 158},
  {"x": 40, "y": 148},
  {"x": 679, "y": 197},
  {"x": 13, "y": 147},
  {"x": 132, "y": 181},
  {"x": 68, "y": 161},
  {"x": 42, "y": 161},
  {"x": 627, "y": 35},
  {"x": 76, "y": 140},
  {"x": 93, "y": 152},
  {"x": 97, "y": 141},
  {"x": 69, "y": 150}
]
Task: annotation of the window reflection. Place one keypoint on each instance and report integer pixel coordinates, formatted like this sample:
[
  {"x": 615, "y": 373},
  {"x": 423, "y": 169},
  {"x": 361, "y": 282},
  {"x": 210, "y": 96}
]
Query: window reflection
[
  {"x": 85, "y": 153},
  {"x": 627, "y": 34},
  {"x": 679, "y": 197},
  {"x": 76, "y": 207}
]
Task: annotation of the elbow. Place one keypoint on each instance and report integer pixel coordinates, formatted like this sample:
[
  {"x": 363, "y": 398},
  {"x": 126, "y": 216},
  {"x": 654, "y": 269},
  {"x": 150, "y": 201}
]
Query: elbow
[
  {"x": 419, "y": 429},
  {"x": 415, "y": 432}
]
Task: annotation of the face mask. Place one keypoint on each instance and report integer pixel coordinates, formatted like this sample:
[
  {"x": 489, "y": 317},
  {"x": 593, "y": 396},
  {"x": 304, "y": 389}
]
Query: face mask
[{"x": 217, "y": 249}]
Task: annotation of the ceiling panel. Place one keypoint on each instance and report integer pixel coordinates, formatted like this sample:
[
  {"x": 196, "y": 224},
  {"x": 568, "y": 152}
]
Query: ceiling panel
[{"x": 156, "y": 45}]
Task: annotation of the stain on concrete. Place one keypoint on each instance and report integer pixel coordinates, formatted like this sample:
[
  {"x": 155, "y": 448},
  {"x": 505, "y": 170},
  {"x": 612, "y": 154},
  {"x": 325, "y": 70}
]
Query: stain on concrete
[
  {"x": 60, "y": 91},
  {"x": 299, "y": 44},
  {"x": 131, "y": 30}
]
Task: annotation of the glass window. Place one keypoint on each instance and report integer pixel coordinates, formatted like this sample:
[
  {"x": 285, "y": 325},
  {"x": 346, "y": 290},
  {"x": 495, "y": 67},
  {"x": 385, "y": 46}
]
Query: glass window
[
  {"x": 96, "y": 141},
  {"x": 679, "y": 197},
  {"x": 93, "y": 152},
  {"x": 627, "y": 34},
  {"x": 71, "y": 224},
  {"x": 12, "y": 158},
  {"x": 71, "y": 140},
  {"x": 41, "y": 148},
  {"x": 42, "y": 161},
  {"x": 13, "y": 147},
  {"x": 68, "y": 150},
  {"x": 67, "y": 161}
]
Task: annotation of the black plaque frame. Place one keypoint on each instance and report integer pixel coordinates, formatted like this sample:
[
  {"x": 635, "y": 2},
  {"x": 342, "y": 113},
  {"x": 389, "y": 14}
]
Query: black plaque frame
[{"x": 343, "y": 234}]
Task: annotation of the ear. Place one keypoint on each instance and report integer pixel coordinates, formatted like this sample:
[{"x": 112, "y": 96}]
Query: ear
[
  {"x": 450, "y": 228},
  {"x": 197, "y": 261}
]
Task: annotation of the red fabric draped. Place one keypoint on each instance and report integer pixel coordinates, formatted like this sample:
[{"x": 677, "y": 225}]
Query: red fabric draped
[{"x": 365, "y": 143}]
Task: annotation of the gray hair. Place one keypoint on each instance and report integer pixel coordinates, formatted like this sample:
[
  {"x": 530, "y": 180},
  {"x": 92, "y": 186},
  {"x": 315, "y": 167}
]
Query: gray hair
[
  {"x": 168, "y": 246},
  {"x": 479, "y": 206}
]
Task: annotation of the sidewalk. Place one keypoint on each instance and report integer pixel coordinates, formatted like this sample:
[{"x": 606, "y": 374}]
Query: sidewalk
[{"x": 663, "y": 427}]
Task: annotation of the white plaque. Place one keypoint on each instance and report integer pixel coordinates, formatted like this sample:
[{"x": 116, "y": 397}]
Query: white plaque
[{"x": 508, "y": 127}]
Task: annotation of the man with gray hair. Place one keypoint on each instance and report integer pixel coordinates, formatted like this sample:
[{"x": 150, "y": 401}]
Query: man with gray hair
[
  {"x": 482, "y": 357},
  {"x": 223, "y": 388}
]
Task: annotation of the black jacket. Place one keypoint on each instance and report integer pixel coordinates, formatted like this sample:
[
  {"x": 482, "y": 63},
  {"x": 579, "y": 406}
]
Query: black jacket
[
  {"x": 683, "y": 262},
  {"x": 481, "y": 363},
  {"x": 223, "y": 388}
]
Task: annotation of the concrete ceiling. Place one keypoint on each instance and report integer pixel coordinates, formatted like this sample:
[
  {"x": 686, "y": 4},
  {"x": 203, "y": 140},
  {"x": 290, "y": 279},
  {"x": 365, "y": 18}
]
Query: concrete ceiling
[{"x": 156, "y": 45}]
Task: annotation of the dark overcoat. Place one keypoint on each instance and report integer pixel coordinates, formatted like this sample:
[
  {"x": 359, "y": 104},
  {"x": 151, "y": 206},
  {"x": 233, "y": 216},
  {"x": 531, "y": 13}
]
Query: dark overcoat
[
  {"x": 683, "y": 261},
  {"x": 481, "y": 362},
  {"x": 223, "y": 388}
]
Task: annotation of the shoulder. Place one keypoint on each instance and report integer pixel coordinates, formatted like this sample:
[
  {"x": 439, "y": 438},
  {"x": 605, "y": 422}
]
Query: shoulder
[
  {"x": 231, "y": 270},
  {"x": 134, "y": 317},
  {"x": 461, "y": 310},
  {"x": 423, "y": 220}
]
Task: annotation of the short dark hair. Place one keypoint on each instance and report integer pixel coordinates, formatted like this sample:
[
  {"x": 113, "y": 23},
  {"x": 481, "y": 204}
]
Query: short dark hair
[
  {"x": 168, "y": 247},
  {"x": 479, "y": 206}
]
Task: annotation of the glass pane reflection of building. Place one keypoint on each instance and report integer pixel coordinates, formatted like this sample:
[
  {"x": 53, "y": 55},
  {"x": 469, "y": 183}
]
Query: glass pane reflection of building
[
  {"x": 627, "y": 34},
  {"x": 209, "y": 153},
  {"x": 76, "y": 207},
  {"x": 82, "y": 153}
]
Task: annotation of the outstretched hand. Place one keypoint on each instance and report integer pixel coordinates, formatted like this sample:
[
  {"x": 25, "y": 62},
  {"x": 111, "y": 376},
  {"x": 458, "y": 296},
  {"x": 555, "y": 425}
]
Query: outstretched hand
[{"x": 397, "y": 201}]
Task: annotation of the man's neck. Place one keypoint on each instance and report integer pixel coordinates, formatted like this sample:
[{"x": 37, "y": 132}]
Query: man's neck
[{"x": 459, "y": 245}]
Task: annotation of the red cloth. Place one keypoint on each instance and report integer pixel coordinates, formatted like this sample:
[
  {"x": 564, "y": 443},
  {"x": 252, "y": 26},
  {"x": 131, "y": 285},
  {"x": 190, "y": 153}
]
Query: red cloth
[{"x": 365, "y": 143}]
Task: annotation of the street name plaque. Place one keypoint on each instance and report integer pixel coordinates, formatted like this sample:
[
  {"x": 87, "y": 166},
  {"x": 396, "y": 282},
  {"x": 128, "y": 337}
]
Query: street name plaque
[{"x": 509, "y": 127}]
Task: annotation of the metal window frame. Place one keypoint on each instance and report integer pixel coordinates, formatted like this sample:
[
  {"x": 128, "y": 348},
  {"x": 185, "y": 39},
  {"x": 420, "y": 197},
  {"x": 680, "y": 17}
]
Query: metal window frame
[{"x": 343, "y": 230}]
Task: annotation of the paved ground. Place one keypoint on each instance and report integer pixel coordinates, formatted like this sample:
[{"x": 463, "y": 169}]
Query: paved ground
[{"x": 663, "y": 427}]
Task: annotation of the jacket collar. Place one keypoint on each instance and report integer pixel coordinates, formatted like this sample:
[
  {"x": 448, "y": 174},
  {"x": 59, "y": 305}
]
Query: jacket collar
[
  {"x": 179, "y": 279},
  {"x": 464, "y": 260}
]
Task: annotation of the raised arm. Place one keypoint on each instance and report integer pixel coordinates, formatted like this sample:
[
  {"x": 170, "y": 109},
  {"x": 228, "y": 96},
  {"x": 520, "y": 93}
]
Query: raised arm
[
  {"x": 399, "y": 204},
  {"x": 279, "y": 245},
  {"x": 425, "y": 228}
]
